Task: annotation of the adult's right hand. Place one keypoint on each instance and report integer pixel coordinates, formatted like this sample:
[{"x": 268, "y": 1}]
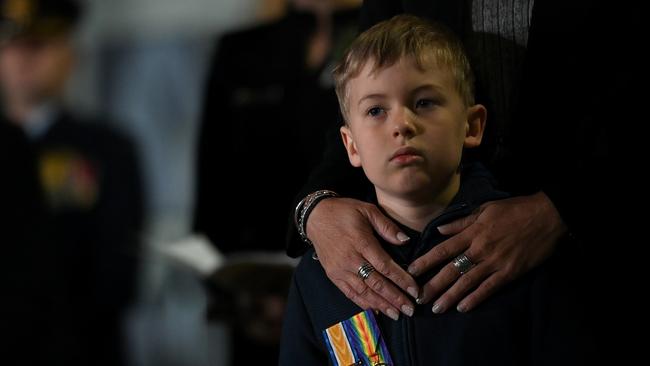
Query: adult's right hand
[{"x": 341, "y": 230}]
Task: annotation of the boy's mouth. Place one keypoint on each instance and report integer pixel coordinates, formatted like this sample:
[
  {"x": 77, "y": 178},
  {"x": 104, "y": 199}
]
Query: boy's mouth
[{"x": 406, "y": 154}]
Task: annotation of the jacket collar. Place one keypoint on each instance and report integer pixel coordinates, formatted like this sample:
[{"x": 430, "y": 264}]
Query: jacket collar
[{"x": 477, "y": 187}]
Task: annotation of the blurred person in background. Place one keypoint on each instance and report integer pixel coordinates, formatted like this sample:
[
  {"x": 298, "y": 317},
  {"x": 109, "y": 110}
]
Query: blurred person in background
[
  {"x": 28, "y": 284},
  {"x": 87, "y": 172},
  {"x": 268, "y": 105}
]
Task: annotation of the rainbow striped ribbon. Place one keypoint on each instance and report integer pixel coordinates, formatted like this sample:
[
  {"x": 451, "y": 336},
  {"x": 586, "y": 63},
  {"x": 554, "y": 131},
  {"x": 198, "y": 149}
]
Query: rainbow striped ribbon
[{"x": 357, "y": 341}]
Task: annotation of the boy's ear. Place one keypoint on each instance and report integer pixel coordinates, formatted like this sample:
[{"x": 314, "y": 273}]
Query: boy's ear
[
  {"x": 476, "y": 117},
  {"x": 350, "y": 146}
]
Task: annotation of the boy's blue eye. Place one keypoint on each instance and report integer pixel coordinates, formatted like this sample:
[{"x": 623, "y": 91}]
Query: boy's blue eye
[
  {"x": 424, "y": 103},
  {"x": 375, "y": 111}
]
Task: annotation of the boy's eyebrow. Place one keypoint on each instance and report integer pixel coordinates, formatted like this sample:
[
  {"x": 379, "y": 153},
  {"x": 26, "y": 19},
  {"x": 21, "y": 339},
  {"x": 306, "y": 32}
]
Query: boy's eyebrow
[
  {"x": 427, "y": 87},
  {"x": 433, "y": 87},
  {"x": 371, "y": 96}
]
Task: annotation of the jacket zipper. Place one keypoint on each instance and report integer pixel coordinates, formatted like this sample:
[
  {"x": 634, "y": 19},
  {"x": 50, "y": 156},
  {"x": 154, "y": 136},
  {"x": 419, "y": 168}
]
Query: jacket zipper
[
  {"x": 408, "y": 322},
  {"x": 408, "y": 338},
  {"x": 413, "y": 360}
]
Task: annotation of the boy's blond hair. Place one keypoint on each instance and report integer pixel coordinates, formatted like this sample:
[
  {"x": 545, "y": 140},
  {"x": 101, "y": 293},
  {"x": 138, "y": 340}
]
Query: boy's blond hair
[{"x": 405, "y": 36}]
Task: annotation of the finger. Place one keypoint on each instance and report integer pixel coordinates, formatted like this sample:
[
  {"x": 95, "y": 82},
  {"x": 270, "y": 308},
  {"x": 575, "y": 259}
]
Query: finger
[
  {"x": 354, "y": 288},
  {"x": 387, "y": 267},
  {"x": 488, "y": 287},
  {"x": 385, "y": 227},
  {"x": 357, "y": 297},
  {"x": 439, "y": 283},
  {"x": 366, "y": 298},
  {"x": 459, "y": 225},
  {"x": 441, "y": 253},
  {"x": 464, "y": 284},
  {"x": 384, "y": 288}
]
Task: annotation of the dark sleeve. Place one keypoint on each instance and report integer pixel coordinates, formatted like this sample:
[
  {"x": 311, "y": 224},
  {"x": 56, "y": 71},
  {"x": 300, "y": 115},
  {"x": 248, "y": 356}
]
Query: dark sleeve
[
  {"x": 299, "y": 344},
  {"x": 563, "y": 139},
  {"x": 541, "y": 143}
]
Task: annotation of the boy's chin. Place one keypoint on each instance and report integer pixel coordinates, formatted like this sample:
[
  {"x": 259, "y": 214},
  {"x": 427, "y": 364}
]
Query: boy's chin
[
  {"x": 419, "y": 188},
  {"x": 412, "y": 191},
  {"x": 422, "y": 194}
]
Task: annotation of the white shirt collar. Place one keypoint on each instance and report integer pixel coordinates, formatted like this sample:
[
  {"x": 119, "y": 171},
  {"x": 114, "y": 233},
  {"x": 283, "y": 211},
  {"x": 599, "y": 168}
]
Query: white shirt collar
[{"x": 40, "y": 120}]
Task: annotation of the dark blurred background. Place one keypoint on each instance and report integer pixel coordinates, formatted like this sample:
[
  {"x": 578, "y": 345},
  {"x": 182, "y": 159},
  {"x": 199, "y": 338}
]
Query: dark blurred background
[{"x": 135, "y": 135}]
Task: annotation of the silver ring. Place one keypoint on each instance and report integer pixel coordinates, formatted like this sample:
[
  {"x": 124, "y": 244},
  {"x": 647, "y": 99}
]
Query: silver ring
[
  {"x": 365, "y": 270},
  {"x": 463, "y": 264}
]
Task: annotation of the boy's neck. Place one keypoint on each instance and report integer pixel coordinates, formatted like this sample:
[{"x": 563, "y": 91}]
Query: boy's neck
[{"x": 417, "y": 211}]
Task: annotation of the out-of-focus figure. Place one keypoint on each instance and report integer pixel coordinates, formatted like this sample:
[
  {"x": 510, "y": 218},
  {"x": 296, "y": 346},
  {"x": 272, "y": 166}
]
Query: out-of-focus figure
[
  {"x": 269, "y": 103},
  {"x": 88, "y": 174}
]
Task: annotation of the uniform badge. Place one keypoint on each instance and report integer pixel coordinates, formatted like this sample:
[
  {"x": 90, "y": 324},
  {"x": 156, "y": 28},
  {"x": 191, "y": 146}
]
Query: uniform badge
[
  {"x": 357, "y": 341},
  {"x": 69, "y": 180}
]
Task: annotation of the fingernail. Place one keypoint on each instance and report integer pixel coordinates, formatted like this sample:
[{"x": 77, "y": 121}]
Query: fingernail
[
  {"x": 419, "y": 301},
  {"x": 392, "y": 314},
  {"x": 412, "y": 270},
  {"x": 461, "y": 308},
  {"x": 408, "y": 310},
  {"x": 437, "y": 308},
  {"x": 412, "y": 291},
  {"x": 402, "y": 237}
]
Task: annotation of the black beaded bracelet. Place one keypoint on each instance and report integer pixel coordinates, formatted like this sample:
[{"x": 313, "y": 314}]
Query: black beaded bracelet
[{"x": 304, "y": 208}]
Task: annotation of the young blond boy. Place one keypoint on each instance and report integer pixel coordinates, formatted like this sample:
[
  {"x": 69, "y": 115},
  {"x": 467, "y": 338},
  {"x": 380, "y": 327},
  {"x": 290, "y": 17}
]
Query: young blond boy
[{"x": 405, "y": 89}]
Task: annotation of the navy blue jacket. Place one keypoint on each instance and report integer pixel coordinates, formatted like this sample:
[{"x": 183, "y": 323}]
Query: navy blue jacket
[{"x": 532, "y": 321}]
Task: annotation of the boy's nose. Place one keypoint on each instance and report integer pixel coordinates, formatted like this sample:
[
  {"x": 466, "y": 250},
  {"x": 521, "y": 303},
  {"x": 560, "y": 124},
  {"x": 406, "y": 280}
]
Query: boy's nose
[{"x": 404, "y": 124}]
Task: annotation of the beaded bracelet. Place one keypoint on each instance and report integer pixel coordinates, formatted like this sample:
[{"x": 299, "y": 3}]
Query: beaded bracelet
[{"x": 304, "y": 208}]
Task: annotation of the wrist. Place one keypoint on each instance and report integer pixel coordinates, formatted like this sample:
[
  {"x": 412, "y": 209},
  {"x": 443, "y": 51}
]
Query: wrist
[
  {"x": 555, "y": 220},
  {"x": 305, "y": 207}
]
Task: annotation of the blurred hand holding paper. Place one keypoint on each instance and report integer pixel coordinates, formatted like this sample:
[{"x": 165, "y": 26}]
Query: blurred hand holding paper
[{"x": 246, "y": 289}]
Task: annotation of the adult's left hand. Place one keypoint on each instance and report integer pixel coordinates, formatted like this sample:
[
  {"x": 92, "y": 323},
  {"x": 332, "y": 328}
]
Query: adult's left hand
[{"x": 503, "y": 239}]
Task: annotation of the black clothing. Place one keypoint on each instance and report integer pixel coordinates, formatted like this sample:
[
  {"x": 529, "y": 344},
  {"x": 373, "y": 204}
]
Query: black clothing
[
  {"x": 93, "y": 208},
  {"x": 531, "y": 321},
  {"x": 29, "y": 286},
  {"x": 265, "y": 117},
  {"x": 98, "y": 209}
]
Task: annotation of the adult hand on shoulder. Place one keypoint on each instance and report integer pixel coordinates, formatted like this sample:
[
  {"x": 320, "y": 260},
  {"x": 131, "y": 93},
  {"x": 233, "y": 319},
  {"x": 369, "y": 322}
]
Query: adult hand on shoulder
[
  {"x": 341, "y": 230},
  {"x": 503, "y": 239}
]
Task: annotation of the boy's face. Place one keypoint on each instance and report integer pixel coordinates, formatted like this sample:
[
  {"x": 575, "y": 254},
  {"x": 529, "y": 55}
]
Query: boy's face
[{"x": 407, "y": 128}]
